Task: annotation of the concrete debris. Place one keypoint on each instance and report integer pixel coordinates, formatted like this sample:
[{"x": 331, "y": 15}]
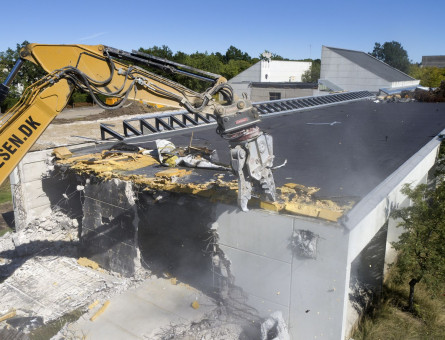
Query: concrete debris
[
  {"x": 419, "y": 94},
  {"x": 83, "y": 261},
  {"x": 191, "y": 157},
  {"x": 8, "y": 315},
  {"x": 41, "y": 279},
  {"x": 94, "y": 304},
  {"x": 433, "y": 95},
  {"x": 165, "y": 149},
  {"x": 100, "y": 311},
  {"x": 62, "y": 153},
  {"x": 304, "y": 243},
  {"x": 195, "y": 161},
  {"x": 404, "y": 97},
  {"x": 274, "y": 328},
  {"x": 221, "y": 323},
  {"x": 292, "y": 198}
]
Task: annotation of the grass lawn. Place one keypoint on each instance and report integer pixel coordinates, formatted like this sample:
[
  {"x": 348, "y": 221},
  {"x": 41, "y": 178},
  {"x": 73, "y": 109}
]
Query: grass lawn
[
  {"x": 389, "y": 319},
  {"x": 5, "y": 206},
  {"x": 5, "y": 192}
]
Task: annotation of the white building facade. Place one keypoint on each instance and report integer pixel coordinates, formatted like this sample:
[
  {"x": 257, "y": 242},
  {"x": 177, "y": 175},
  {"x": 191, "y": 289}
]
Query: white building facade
[{"x": 269, "y": 71}]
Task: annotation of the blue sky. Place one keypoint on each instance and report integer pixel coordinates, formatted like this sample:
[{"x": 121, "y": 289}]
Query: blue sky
[{"x": 292, "y": 29}]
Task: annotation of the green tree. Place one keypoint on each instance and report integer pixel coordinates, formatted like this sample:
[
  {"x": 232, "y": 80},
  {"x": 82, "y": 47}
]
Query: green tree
[
  {"x": 234, "y": 53},
  {"x": 28, "y": 74},
  {"x": 393, "y": 54},
  {"x": 313, "y": 74},
  {"x": 428, "y": 76},
  {"x": 159, "y": 51},
  {"x": 234, "y": 67},
  {"x": 421, "y": 250}
]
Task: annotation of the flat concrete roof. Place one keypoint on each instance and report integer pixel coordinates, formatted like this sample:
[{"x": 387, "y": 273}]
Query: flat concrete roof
[{"x": 346, "y": 150}]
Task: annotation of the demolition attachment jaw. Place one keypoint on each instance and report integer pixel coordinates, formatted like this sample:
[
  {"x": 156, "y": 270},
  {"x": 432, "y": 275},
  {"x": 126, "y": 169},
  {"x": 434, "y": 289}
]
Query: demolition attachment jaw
[{"x": 251, "y": 151}]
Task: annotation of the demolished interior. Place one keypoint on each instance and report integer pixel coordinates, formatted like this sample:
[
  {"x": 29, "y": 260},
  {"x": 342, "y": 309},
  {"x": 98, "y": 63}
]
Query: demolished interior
[{"x": 127, "y": 228}]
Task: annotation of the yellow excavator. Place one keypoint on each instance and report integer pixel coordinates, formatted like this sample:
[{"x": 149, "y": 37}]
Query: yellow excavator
[{"x": 99, "y": 69}]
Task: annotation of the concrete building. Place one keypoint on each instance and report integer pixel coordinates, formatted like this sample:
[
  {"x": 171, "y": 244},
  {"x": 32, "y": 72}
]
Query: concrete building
[
  {"x": 262, "y": 91},
  {"x": 270, "y": 72},
  {"x": 433, "y": 61},
  {"x": 348, "y": 70},
  {"x": 306, "y": 266}
]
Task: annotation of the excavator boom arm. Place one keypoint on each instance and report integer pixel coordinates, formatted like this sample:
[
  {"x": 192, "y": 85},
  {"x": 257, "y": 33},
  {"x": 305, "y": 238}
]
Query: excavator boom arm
[
  {"x": 95, "y": 69},
  {"x": 102, "y": 70}
]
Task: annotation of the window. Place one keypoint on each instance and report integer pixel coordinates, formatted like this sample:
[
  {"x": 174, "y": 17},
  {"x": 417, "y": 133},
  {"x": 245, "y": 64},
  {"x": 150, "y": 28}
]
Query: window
[{"x": 274, "y": 95}]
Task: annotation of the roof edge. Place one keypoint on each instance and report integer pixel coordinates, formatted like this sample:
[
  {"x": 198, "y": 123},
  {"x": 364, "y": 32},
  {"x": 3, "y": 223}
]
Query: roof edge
[{"x": 389, "y": 185}]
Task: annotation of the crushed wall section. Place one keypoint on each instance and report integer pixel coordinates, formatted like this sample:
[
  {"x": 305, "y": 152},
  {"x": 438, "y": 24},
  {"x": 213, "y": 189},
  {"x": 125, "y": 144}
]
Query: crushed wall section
[
  {"x": 37, "y": 191},
  {"x": 29, "y": 199},
  {"x": 110, "y": 226}
]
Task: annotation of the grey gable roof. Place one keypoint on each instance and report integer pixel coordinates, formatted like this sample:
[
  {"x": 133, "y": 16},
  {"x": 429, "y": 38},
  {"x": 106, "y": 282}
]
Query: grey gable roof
[{"x": 373, "y": 65}]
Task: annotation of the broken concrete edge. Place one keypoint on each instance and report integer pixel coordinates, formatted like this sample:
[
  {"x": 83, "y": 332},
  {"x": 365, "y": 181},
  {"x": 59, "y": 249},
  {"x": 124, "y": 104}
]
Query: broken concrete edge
[
  {"x": 26, "y": 179},
  {"x": 62, "y": 152},
  {"x": 294, "y": 199}
]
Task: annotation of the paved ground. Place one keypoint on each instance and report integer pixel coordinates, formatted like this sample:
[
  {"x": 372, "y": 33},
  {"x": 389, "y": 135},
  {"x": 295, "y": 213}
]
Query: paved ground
[
  {"x": 79, "y": 113},
  {"x": 144, "y": 312},
  {"x": 77, "y": 126}
]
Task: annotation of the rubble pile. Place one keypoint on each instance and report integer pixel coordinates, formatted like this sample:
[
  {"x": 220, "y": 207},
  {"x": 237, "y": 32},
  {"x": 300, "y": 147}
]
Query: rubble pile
[
  {"x": 433, "y": 95},
  {"x": 42, "y": 279},
  {"x": 223, "y": 322},
  {"x": 229, "y": 324},
  {"x": 403, "y": 97}
]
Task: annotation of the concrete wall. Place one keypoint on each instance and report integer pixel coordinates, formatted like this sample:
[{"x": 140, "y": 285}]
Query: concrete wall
[
  {"x": 240, "y": 88},
  {"x": 433, "y": 61},
  {"x": 368, "y": 216},
  {"x": 109, "y": 234},
  {"x": 270, "y": 71},
  {"x": 308, "y": 291},
  {"x": 36, "y": 192},
  {"x": 350, "y": 76},
  {"x": 273, "y": 71},
  {"x": 253, "y": 73},
  {"x": 29, "y": 199},
  {"x": 347, "y": 75}
]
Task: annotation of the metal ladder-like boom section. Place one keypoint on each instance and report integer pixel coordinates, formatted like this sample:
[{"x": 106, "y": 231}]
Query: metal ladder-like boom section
[{"x": 161, "y": 122}]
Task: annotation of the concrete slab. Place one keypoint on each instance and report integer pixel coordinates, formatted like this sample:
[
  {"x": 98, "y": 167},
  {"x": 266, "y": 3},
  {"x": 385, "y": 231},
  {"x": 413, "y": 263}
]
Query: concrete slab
[
  {"x": 50, "y": 286},
  {"x": 143, "y": 312}
]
